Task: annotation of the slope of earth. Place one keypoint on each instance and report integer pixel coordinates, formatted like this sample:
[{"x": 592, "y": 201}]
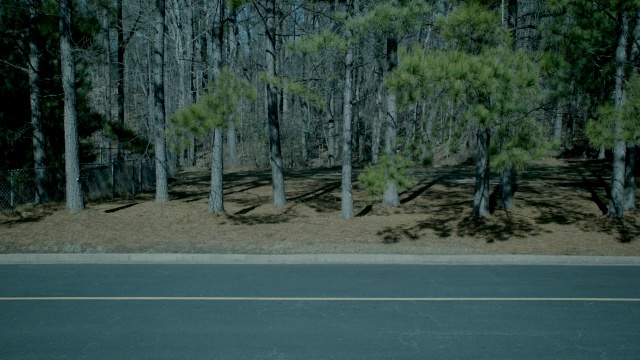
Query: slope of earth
[{"x": 558, "y": 210}]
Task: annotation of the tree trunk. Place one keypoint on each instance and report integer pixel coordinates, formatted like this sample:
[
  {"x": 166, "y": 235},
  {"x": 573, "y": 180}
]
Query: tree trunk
[
  {"x": 506, "y": 188},
  {"x": 275, "y": 153},
  {"x": 347, "y": 192},
  {"x": 162, "y": 186},
  {"x": 630, "y": 180},
  {"x": 616, "y": 203},
  {"x": 106, "y": 70},
  {"x": 233, "y": 145},
  {"x": 570, "y": 129},
  {"x": 120, "y": 71},
  {"x": 390, "y": 196},
  {"x": 231, "y": 59},
  {"x": 72, "y": 159},
  {"x": 331, "y": 128},
  {"x": 306, "y": 120},
  {"x": 216, "y": 202},
  {"x": 35, "y": 97},
  {"x": 557, "y": 124},
  {"x": 378, "y": 119},
  {"x": 481, "y": 196}
]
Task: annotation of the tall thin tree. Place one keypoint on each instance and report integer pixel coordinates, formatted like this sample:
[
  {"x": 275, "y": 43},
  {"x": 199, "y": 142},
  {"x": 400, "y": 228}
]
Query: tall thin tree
[
  {"x": 162, "y": 186},
  {"x": 275, "y": 152},
  {"x": 72, "y": 159}
]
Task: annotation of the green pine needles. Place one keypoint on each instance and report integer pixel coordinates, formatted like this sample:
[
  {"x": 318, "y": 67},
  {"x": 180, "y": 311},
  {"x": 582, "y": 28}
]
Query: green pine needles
[
  {"x": 599, "y": 131},
  {"x": 390, "y": 168},
  {"x": 216, "y": 108}
]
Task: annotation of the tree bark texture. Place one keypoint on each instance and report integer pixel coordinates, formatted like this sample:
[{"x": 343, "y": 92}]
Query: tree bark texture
[
  {"x": 120, "y": 72},
  {"x": 347, "y": 191},
  {"x": 481, "y": 195},
  {"x": 35, "y": 98},
  {"x": 162, "y": 186},
  {"x": 630, "y": 179},
  {"x": 506, "y": 188},
  {"x": 390, "y": 196},
  {"x": 275, "y": 153},
  {"x": 72, "y": 159},
  {"x": 216, "y": 202},
  {"x": 616, "y": 203}
]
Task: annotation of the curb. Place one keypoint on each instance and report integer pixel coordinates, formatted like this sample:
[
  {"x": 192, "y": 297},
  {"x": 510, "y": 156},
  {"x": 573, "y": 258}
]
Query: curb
[{"x": 318, "y": 259}]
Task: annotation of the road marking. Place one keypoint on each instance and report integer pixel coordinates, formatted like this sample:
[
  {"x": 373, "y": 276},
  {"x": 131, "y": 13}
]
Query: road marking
[{"x": 204, "y": 298}]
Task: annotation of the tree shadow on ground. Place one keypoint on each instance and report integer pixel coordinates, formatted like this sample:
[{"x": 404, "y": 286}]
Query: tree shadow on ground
[{"x": 562, "y": 195}]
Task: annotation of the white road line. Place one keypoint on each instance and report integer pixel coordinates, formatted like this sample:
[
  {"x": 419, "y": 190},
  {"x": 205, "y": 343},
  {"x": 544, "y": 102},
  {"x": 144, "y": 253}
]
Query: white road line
[{"x": 178, "y": 298}]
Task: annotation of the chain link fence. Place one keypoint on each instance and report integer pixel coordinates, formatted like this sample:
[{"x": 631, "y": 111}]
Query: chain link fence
[{"x": 99, "y": 181}]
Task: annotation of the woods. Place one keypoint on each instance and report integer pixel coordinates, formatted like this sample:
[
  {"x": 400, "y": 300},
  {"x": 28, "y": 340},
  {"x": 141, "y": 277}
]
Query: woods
[{"x": 384, "y": 85}]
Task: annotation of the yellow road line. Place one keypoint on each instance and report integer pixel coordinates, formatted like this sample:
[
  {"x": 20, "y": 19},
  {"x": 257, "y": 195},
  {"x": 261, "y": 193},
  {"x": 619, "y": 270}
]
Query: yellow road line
[{"x": 178, "y": 298}]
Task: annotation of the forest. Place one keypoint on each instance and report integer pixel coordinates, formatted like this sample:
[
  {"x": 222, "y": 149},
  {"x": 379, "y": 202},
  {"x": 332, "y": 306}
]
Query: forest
[{"x": 385, "y": 86}]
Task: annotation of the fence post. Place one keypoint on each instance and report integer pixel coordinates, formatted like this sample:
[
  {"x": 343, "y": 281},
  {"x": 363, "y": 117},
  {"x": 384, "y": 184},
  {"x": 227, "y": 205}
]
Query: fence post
[
  {"x": 113, "y": 179},
  {"x": 13, "y": 196}
]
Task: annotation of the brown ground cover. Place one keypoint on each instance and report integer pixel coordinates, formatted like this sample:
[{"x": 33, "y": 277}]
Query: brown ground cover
[{"x": 559, "y": 210}]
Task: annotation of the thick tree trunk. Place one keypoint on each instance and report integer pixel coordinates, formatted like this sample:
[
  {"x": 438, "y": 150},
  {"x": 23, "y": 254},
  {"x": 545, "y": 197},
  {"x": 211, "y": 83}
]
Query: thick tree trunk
[
  {"x": 481, "y": 195},
  {"x": 216, "y": 202},
  {"x": 616, "y": 203},
  {"x": 506, "y": 188},
  {"x": 71, "y": 157},
  {"x": 275, "y": 153},
  {"x": 347, "y": 192},
  {"x": 35, "y": 97},
  {"x": 630, "y": 180},
  {"x": 162, "y": 186}
]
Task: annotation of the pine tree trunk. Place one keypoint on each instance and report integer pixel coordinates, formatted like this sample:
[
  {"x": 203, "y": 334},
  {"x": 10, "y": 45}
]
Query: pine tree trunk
[
  {"x": 162, "y": 186},
  {"x": 506, "y": 188},
  {"x": 216, "y": 202},
  {"x": 275, "y": 153},
  {"x": 616, "y": 203},
  {"x": 347, "y": 192},
  {"x": 630, "y": 180},
  {"x": 481, "y": 195},
  {"x": 35, "y": 97},
  {"x": 390, "y": 196},
  {"x": 72, "y": 159}
]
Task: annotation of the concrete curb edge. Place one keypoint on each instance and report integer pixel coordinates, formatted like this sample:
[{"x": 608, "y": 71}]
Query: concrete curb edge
[{"x": 318, "y": 259}]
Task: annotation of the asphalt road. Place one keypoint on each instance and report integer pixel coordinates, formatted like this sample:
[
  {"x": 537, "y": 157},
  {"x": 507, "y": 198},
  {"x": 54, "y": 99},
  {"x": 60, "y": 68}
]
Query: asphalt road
[{"x": 319, "y": 312}]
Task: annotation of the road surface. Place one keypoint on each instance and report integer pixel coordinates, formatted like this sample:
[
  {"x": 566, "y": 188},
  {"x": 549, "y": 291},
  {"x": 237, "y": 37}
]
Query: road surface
[{"x": 319, "y": 312}]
